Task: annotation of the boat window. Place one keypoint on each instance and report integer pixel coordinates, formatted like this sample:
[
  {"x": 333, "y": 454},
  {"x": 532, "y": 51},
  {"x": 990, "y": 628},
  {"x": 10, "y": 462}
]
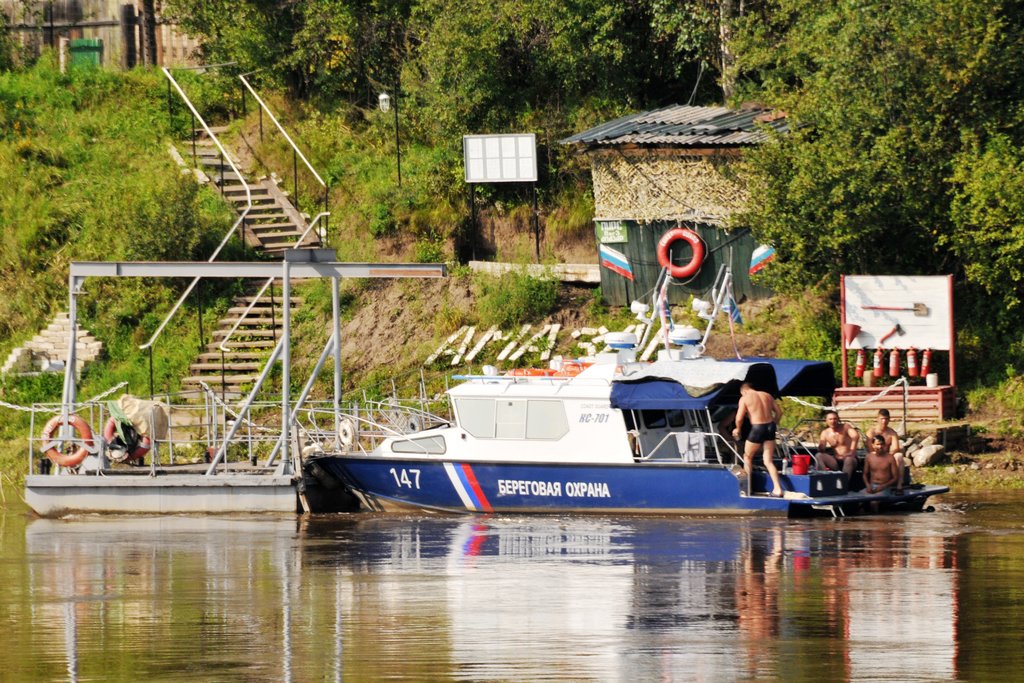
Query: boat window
[
  {"x": 510, "y": 419},
  {"x": 676, "y": 418},
  {"x": 432, "y": 444},
  {"x": 653, "y": 419},
  {"x": 476, "y": 416},
  {"x": 546, "y": 420}
]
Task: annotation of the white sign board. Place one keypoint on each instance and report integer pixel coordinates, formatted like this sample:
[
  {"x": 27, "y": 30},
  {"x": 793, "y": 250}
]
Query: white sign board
[
  {"x": 500, "y": 158},
  {"x": 899, "y": 311}
]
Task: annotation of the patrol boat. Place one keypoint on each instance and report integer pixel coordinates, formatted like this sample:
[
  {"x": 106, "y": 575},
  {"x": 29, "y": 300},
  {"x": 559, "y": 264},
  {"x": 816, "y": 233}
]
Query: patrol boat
[{"x": 604, "y": 435}]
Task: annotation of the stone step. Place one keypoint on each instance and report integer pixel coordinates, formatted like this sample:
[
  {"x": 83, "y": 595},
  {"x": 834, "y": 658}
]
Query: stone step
[
  {"x": 260, "y": 228},
  {"x": 244, "y": 344},
  {"x": 246, "y": 300},
  {"x": 231, "y": 356},
  {"x": 242, "y": 333},
  {"x": 229, "y": 379},
  {"x": 250, "y": 320},
  {"x": 228, "y": 367}
]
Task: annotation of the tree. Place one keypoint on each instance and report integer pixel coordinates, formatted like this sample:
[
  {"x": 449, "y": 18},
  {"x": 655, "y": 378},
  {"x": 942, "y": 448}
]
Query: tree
[{"x": 885, "y": 100}]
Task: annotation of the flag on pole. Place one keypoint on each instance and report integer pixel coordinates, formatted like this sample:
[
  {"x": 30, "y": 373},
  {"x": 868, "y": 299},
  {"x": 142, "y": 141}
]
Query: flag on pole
[
  {"x": 760, "y": 258},
  {"x": 616, "y": 262},
  {"x": 733, "y": 309}
]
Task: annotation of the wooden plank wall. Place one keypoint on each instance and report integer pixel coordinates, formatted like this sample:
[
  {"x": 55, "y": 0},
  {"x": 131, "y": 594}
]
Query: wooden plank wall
[{"x": 924, "y": 404}]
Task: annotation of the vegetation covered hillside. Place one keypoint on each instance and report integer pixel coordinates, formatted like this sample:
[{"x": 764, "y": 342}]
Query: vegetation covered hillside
[{"x": 905, "y": 156}]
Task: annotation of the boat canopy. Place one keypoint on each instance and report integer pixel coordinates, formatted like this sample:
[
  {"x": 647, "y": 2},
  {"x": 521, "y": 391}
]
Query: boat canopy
[
  {"x": 699, "y": 383},
  {"x": 688, "y": 385},
  {"x": 800, "y": 377}
]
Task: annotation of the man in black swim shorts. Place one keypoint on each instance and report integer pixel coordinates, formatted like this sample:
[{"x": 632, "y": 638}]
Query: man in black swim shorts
[{"x": 764, "y": 413}]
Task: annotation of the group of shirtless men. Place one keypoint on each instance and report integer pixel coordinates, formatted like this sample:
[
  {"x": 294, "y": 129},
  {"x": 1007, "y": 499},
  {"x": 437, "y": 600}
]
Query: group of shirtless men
[{"x": 837, "y": 446}]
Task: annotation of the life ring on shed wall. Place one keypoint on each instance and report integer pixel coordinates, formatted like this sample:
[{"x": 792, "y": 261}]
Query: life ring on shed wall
[
  {"x": 110, "y": 429},
  {"x": 84, "y": 434},
  {"x": 695, "y": 242}
]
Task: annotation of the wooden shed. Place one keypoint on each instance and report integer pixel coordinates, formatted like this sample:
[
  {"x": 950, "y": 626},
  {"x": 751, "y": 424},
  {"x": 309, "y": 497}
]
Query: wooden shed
[{"x": 666, "y": 168}]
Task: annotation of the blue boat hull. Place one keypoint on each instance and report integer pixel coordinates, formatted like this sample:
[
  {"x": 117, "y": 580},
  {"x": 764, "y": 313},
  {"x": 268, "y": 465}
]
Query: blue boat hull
[{"x": 634, "y": 488}]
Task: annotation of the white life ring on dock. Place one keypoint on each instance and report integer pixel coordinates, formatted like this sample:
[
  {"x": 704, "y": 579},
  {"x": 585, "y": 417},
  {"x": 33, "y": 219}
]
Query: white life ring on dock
[
  {"x": 691, "y": 268},
  {"x": 346, "y": 432},
  {"x": 84, "y": 434}
]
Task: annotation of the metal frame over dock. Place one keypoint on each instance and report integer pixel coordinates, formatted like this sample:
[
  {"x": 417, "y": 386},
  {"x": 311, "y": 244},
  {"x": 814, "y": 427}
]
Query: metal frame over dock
[{"x": 273, "y": 488}]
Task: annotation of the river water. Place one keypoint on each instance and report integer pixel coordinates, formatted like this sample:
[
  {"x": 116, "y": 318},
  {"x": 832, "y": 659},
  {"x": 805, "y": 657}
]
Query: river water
[{"x": 932, "y": 596}]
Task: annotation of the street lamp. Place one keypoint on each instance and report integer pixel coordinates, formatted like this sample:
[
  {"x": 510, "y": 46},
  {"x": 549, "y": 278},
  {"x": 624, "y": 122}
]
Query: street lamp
[{"x": 384, "y": 102}]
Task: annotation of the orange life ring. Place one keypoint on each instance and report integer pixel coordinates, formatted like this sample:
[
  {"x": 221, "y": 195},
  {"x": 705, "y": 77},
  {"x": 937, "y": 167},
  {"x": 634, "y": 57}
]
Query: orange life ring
[
  {"x": 84, "y": 435},
  {"x": 571, "y": 368},
  {"x": 110, "y": 429},
  {"x": 694, "y": 240},
  {"x": 529, "y": 372}
]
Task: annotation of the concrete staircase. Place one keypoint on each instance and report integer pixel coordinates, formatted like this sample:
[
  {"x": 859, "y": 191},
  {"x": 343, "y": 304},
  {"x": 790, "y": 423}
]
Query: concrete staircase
[
  {"x": 233, "y": 372},
  {"x": 48, "y": 350},
  {"x": 273, "y": 224}
]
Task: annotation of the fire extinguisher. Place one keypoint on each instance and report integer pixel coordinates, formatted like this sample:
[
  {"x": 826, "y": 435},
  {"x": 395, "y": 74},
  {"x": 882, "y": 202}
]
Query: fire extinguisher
[
  {"x": 926, "y": 362},
  {"x": 911, "y": 362},
  {"x": 877, "y": 367},
  {"x": 862, "y": 361},
  {"x": 894, "y": 363}
]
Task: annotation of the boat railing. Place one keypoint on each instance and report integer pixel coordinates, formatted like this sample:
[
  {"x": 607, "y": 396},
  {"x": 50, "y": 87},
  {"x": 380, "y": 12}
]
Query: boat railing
[
  {"x": 692, "y": 446},
  {"x": 197, "y": 426},
  {"x": 368, "y": 423}
]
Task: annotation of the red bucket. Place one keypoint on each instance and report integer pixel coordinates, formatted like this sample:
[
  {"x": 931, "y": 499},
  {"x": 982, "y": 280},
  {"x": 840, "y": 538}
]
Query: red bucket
[{"x": 801, "y": 463}]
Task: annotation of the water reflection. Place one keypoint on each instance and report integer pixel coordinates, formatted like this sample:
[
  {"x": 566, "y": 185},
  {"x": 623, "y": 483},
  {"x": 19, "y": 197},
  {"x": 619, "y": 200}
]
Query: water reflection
[{"x": 473, "y": 598}]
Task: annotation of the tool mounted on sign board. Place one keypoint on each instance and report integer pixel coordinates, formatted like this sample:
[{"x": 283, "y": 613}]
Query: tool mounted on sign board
[{"x": 920, "y": 310}]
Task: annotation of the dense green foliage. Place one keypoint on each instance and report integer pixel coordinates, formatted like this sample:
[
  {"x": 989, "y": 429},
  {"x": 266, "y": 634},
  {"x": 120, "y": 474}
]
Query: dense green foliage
[
  {"x": 906, "y": 154},
  {"x": 515, "y": 298},
  {"x": 87, "y": 177}
]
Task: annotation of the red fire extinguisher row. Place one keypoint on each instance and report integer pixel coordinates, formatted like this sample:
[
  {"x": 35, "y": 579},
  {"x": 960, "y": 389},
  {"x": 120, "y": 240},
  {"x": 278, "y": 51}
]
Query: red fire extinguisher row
[
  {"x": 911, "y": 362},
  {"x": 894, "y": 363},
  {"x": 926, "y": 362},
  {"x": 862, "y": 361}
]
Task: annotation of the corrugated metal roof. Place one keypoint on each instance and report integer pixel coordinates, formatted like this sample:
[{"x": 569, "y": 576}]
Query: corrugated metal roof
[{"x": 683, "y": 126}]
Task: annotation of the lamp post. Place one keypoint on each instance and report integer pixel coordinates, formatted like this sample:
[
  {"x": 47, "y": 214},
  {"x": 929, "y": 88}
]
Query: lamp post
[{"x": 384, "y": 102}]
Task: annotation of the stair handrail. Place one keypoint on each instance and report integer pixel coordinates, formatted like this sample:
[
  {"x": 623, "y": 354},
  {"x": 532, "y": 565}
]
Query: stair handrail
[
  {"x": 287, "y": 137},
  {"x": 241, "y": 217},
  {"x": 256, "y": 298}
]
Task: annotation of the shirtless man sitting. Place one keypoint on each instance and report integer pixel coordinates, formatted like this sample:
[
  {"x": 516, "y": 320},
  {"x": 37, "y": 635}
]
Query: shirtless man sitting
[
  {"x": 837, "y": 446},
  {"x": 892, "y": 443},
  {"x": 764, "y": 413},
  {"x": 880, "y": 471}
]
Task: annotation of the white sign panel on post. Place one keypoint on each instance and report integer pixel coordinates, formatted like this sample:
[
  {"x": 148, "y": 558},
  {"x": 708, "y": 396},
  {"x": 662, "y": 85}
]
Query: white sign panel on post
[
  {"x": 899, "y": 311},
  {"x": 500, "y": 158}
]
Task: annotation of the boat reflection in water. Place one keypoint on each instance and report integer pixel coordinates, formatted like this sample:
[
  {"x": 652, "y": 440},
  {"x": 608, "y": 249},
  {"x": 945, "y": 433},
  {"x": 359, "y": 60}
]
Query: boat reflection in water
[{"x": 491, "y": 598}]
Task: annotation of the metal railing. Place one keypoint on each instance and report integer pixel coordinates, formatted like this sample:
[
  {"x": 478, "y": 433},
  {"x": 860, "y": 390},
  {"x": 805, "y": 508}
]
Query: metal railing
[
  {"x": 296, "y": 152},
  {"x": 241, "y": 221}
]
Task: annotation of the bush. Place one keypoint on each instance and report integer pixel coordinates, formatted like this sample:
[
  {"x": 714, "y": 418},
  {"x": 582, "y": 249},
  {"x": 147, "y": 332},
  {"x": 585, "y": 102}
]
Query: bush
[{"x": 515, "y": 298}]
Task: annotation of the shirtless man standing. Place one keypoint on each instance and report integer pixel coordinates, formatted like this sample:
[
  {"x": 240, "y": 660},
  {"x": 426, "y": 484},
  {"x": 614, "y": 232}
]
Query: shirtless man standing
[
  {"x": 892, "y": 443},
  {"x": 764, "y": 414},
  {"x": 838, "y": 444},
  {"x": 880, "y": 471}
]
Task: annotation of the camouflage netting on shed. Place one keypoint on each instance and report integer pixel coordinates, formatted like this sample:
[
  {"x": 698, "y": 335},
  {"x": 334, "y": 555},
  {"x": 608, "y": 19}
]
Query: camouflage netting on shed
[{"x": 646, "y": 185}]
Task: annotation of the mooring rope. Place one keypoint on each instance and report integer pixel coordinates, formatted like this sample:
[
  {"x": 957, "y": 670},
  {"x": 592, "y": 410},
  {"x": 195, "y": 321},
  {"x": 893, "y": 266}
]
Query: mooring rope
[
  {"x": 901, "y": 380},
  {"x": 51, "y": 409}
]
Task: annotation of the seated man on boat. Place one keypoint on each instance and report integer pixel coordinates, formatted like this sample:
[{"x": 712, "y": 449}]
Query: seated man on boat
[
  {"x": 880, "y": 470},
  {"x": 892, "y": 443},
  {"x": 764, "y": 413},
  {"x": 837, "y": 446}
]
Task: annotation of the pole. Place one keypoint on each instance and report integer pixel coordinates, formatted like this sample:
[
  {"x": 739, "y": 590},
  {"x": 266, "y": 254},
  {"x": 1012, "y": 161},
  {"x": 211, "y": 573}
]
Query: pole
[
  {"x": 150, "y": 349},
  {"x": 536, "y": 221},
  {"x": 295, "y": 178},
  {"x": 472, "y": 219},
  {"x": 398, "y": 144},
  {"x": 336, "y": 322},
  {"x": 199, "y": 297},
  {"x": 286, "y": 361}
]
